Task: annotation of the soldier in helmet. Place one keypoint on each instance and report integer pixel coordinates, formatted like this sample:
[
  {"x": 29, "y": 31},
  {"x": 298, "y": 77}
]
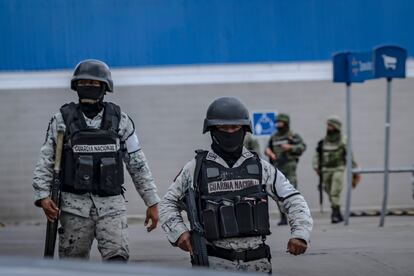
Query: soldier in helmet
[
  {"x": 332, "y": 149},
  {"x": 284, "y": 149},
  {"x": 98, "y": 137},
  {"x": 232, "y": 188}
]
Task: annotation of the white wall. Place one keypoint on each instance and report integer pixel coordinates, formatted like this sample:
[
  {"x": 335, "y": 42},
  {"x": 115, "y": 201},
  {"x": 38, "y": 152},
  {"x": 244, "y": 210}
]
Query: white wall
[{"x": 169, "y": 121}]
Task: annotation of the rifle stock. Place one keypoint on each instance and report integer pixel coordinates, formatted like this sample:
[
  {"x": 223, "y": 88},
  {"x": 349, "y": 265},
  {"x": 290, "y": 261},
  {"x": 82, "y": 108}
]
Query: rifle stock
[{"x": 51, "y": 228}]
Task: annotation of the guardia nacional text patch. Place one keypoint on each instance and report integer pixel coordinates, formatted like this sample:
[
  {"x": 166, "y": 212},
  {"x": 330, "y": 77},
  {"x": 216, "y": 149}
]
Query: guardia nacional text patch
[
  {"x": 231, "y": 185},
  {"x": 94, "y": 148}
]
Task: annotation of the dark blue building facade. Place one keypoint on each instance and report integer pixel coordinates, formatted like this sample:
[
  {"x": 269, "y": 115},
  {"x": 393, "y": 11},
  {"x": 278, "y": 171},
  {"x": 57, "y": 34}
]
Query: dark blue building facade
[{"x": 56, "y": 34}]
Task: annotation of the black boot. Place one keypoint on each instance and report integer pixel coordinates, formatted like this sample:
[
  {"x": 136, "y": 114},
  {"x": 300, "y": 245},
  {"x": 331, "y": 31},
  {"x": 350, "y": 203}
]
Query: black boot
[
  {"x": 283, "y": 219},
  {"x": 336, "y": 216}
]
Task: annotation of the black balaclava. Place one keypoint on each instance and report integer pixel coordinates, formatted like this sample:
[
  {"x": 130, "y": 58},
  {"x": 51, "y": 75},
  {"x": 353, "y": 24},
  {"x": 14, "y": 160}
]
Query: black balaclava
[
  {"x": 91, "y": 99},
  {"x": 283, "y": 130},
  {"x": 333, "y": 135},
  {"x": 228, "y": 146}
]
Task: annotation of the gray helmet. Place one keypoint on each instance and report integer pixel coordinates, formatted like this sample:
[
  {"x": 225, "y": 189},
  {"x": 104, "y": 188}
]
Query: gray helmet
[
  {"x": 227, "y": 111},
  {"x": 92, "y": 69}
]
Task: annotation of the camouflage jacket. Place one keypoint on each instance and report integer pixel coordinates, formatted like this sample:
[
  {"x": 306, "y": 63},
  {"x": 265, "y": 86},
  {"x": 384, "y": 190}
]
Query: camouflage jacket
[
  {"x": 134, "y": 159},
  {"x": 283, "y": 157},
  {"x": 277, "y": 186},
  {"x": 333, "y": 156}
]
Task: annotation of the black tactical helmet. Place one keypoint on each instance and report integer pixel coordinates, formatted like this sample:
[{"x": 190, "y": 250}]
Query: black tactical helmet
[
  {"x": 92, "y": 69},
  {"x": 227, "y": 111}
]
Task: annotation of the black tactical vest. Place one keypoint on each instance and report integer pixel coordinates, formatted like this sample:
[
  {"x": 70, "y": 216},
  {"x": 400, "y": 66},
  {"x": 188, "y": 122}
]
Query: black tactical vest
[
  {"x": 233, "y": 200},
  {"x": 92, "y": 157}
]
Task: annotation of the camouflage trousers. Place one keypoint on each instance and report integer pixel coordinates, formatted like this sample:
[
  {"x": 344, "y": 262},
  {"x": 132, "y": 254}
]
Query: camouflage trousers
[
  {"x": 261, "y": 265},
  {"x": 77, "y": 233},
  {"x": 332, "y": 183}
]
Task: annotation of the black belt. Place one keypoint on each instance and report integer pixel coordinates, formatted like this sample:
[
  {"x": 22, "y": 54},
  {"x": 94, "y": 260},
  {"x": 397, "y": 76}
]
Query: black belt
[{"x": 263, "y": 251}]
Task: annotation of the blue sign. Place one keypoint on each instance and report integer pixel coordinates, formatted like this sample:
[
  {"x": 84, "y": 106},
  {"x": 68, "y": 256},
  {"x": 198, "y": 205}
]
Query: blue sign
[
  {"x": 360, "y": 67},
  {"x": 340, "y": 67},
  {"x": 389, "y": 62},
  {"x": 352, "y": 67},
  {"x": 263, "y": 123}
]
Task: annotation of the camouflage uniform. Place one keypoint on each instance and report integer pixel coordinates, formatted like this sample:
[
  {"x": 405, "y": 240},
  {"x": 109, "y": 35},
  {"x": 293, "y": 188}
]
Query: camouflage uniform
[
  {"x": 87, "y": 216},
  {"x": 287, "y": 161},
  {"x": 277, "y": 186},
  {"x": 333, "y": 164}
]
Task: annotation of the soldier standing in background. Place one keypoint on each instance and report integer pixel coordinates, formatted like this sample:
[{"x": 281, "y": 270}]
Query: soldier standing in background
[
  {"x": 284, "y": 149},
  {"x": 232, "y": 186},
  {"x": 332, "y": 148},
  {"x": 98, "y": 138}
]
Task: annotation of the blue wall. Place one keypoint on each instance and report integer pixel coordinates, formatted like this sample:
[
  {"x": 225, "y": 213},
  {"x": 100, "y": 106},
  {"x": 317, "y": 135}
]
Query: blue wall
[{"x": 48, "y": 34}]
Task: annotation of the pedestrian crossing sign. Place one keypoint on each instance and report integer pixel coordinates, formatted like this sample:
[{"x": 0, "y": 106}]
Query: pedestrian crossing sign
[{"x": 263, "y": 122}]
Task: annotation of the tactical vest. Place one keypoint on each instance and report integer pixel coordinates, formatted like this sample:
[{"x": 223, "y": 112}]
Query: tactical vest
[
  {"x": 92, "y": 160},
  {"x": 284, "y": 156},
  {"x": 334, "y": 155},
  {"x": 234, "y": 200}
]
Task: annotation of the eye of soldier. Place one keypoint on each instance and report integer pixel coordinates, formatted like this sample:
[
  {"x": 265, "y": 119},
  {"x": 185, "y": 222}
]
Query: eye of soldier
[
  {"x": 89, "y": 83},
  {"x": 229, "y": 128}
]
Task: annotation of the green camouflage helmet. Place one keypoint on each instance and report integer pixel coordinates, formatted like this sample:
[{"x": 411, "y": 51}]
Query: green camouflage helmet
[
  {"x": 283, "y": 117},
  {"x": 335, "y": 122}
]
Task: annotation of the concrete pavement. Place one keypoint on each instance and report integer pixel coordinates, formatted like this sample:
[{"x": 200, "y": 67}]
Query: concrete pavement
[{"x": 361, "y": 248}]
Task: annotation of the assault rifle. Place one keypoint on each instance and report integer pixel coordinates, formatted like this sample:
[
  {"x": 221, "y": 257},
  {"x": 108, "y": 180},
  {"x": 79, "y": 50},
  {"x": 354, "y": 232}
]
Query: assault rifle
[
  {"x": 319, "y": 149},
  {"x": 51, "y": 228},
  {"x": 198, "y": 242}
]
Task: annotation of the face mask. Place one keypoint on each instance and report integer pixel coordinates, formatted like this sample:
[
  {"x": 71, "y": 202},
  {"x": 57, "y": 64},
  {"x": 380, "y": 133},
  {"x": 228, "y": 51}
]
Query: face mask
[
  {"x": 282, "y": 130},
  {"x": 90, "y": 92},
  {"x": 332, "y": 132},
  {"x": 228, "y": 142},
  {"x": 333, "y": 135}
]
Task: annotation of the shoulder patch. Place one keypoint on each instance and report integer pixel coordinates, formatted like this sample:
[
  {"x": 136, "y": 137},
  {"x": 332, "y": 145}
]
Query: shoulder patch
[
  {"x": 132, "y": 143},
  {"x": 248, "y": 154},
  {"x": 211, "y": 156}
]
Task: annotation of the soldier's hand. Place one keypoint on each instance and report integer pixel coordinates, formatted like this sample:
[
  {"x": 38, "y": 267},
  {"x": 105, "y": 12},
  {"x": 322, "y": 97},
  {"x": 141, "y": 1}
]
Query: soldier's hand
[
  {"x": 184, "y": 242},
  {"x": 296, "y": 246},
  {"x": 50, "y": 209},
  {"x": 270, "y": 154},
  {"x": 152, "y": 213},
  {"x": 286, "y": 147}
]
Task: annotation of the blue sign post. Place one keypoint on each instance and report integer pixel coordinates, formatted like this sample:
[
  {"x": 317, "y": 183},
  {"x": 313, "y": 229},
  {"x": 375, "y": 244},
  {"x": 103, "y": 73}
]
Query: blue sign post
[
  {"x": 389, "y": 63},
  {"x": 263, "y": 123},
  {"x": 348, "y": 67}
]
